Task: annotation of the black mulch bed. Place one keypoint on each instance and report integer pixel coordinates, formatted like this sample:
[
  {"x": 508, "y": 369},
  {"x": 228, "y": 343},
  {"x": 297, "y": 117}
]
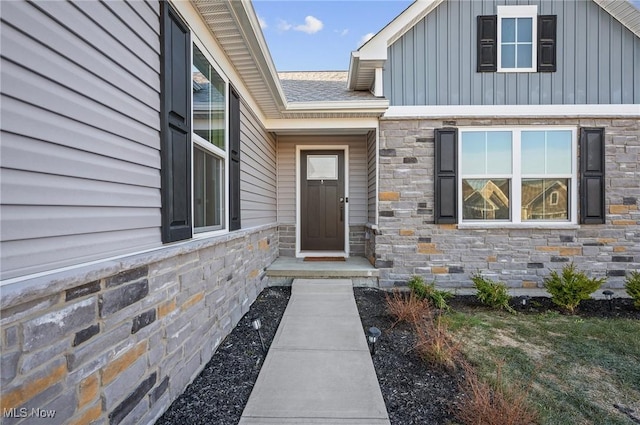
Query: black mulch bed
[
  {"x": 620, "y": 308},
  {"x": 218, "y": 395},
  {"x": 414, "y": 392}
]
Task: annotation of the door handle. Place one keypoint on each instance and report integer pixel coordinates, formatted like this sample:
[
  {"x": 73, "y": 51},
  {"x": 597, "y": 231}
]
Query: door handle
[
  {"x": 342, "y": 200},
  {"x": 341, "y": 213}
]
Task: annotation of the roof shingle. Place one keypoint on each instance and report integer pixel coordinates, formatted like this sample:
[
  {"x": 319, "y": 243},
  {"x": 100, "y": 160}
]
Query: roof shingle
[{"x": 320, "y": 86}]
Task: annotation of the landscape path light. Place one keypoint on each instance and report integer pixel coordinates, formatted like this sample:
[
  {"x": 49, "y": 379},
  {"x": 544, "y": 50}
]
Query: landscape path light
[
  {"x": 257, "y": 324},
  {"x": 372, "y": 337},
  {"x": 525, "y": 300},
  {"x": 608, "y": 294}
]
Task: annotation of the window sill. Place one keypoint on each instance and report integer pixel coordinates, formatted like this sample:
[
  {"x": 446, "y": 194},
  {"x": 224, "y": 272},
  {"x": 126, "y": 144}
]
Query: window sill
[{"x": 531, "y": 226}]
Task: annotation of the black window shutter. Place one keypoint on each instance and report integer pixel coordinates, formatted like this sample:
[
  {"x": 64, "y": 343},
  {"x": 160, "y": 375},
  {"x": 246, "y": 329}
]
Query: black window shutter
[
  {"x": 175, "y": 122},
  {"x": 234, "y": 160},
  {"x": 547, "y": 29},
  {"x": 487, "y": 43},
  {"x": 592, "y": 209},
  {"x": 446, "y": 176}
]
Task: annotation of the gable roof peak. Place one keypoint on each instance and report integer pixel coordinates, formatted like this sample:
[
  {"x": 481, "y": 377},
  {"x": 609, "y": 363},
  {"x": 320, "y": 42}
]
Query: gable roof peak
[{"x": 373, "y": 53}]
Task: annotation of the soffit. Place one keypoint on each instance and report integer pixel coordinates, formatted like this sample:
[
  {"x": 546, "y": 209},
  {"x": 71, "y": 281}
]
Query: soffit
[
  {"x": 230, "y": 23},
  {"x": 624, "y": 12}
]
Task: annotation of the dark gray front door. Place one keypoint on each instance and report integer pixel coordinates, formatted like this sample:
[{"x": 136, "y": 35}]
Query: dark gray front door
[{"x": 323, "y": 207}]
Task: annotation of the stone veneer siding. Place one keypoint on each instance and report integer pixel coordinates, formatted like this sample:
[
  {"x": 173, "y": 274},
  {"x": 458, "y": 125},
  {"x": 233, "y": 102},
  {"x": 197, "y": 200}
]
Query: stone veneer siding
[
  {"x": 409, "y": 243},
  {"x": 117, "y": 342},
  {"x": 288, "y": 240}
]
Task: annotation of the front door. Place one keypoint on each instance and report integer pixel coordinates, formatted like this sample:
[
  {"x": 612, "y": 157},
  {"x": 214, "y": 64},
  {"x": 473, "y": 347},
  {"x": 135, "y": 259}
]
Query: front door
[{"x": 322, "y": 197}]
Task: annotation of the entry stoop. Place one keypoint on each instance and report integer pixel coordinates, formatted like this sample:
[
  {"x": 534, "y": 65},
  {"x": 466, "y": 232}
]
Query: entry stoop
[{"x": 358, "y": 269}]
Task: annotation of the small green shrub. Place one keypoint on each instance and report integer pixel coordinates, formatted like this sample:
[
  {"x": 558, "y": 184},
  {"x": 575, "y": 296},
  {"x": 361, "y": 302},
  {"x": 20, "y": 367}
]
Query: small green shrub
[
  {"x": 571, "y": 287},
  {"x": 429, "y": 292},
  {"x": 493, "y": 294},
  {"x": 632, "y": 285}
]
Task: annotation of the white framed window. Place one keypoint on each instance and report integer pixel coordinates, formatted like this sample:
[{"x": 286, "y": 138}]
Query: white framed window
[
  {"x": 210, "y": 140},
  {"x": 517, "y": 176},
  {"x": 517, "y": 38}
]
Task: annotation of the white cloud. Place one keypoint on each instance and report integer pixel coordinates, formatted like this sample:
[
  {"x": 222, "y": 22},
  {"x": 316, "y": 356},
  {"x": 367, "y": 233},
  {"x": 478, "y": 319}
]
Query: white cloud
[
  {"x": 263, "y": 23},
  {"x": 311, "y": 25},
  {"x": 365, "y": 38},
  {"x": 284, "y": 25},
  {"x": 343, "y": 32}
]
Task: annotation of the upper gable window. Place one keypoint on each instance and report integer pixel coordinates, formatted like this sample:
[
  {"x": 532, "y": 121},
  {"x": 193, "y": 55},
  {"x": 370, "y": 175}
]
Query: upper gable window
[
  {"x": 517, "y": 33},
  {"x": 517, "y": 39}
]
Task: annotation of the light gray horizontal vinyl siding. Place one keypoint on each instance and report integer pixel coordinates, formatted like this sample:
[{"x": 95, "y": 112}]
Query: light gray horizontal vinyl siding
[
  {"x": 47, "y": 221},
  {"x": 30, "y": 121},
  {"x": 74, "y": 249},
  {"x": 434, "y": 63},
  {"x": 70, "y": 45},
  {"x": 22, "y": 187},
  {"x": 22, "y": 153},
  {"x": 358, "y": 176},
  {"x": 371, "y": 180},
  {"x": 257, "y": 172},
  {"x": 80, "y": 105}
]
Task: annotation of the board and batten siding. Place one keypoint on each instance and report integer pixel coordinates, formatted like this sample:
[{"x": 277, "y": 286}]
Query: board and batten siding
[
  {"x": 80, "y": 170},
  {"x": 358, "y": 175},
  {"x": 372, "y": 183},
  {"x": 434, "y": 63},
  {"x": 257, "y": 172}
]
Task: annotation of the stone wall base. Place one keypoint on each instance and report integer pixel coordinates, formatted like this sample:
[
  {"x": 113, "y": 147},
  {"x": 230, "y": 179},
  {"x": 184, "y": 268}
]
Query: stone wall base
[{"x": 118, "y": 342}]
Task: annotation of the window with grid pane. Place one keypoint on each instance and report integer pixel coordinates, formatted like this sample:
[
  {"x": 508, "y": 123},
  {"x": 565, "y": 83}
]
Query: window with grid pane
[
  {"x": 517, "y": 175},
  {"x": 517, "y": 38}
]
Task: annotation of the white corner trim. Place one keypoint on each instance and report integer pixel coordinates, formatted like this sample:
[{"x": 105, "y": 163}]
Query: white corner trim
[
  {"x": 377, "y": 83},
  {"x": 514, "y": 111}
]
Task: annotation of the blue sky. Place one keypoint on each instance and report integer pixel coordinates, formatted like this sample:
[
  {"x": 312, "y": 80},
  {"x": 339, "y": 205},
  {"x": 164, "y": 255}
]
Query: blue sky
[
  {"x": 307, "y": 35},
  {"x": 311, "y": 35}
]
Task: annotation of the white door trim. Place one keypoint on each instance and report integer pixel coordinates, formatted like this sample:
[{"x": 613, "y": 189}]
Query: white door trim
[{"x": 299, "y": 149}]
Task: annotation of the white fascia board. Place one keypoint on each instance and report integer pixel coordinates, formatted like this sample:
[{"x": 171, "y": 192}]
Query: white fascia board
[
  {"x": 250, "y": 27},
  {"x": 321, "y": 124},
  {"x": 354, "y": 65},
  {"x": 513, "y": 111},
  {"x": 378, "y": 105},
  {"x": 376, "y": 48}
]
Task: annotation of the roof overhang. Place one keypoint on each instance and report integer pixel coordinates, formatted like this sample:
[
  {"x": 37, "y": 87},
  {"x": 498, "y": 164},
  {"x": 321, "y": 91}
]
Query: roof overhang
[
  {"x": 235, "y": 25},
  {"x": 623, "y": 11}
]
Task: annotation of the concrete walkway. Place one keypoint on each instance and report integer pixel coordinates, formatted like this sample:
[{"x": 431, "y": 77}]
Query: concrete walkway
[{"x": 318, "y": 369}]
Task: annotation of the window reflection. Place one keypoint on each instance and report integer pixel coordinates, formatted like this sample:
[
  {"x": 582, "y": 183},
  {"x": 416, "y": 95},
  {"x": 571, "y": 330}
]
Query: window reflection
[
  {"x": 545, "y": 199},
  {"x": 485, "y": 199},
  {"x": 208, "y": 101}
]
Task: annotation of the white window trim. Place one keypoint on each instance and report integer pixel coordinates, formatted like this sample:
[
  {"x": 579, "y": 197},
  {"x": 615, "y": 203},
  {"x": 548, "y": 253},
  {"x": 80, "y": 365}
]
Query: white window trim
[
  {"x": 519, "y": 12},
  {"x": 203, "y": 232},
  {"x": 516, "y": 181}
]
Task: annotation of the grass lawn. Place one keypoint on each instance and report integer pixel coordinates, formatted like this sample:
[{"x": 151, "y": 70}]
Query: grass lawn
[{"x": 578, "y": 369}]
